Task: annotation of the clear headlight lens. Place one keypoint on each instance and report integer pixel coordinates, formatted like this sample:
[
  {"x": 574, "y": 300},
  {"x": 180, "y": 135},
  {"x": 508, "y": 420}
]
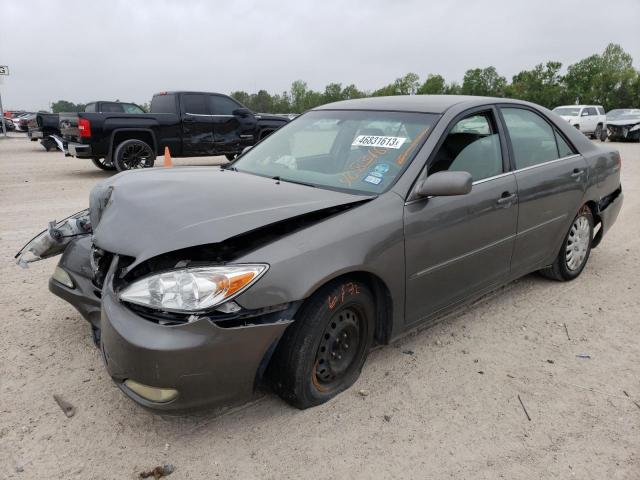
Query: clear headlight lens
[
  {"x": 634, "y": 128},
  {"x": 192, "y": 289}
]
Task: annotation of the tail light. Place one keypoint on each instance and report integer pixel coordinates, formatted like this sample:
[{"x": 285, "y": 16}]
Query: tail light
[{"x": 84, "y": 128}]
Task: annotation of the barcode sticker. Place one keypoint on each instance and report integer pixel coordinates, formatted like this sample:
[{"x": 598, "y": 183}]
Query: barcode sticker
[{"x": 378, "y": 141}]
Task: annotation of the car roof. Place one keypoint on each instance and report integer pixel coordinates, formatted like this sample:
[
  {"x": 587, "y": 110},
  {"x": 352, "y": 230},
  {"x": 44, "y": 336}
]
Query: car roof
[
  {"x": 415, "y": 103},
  {"x": 577, "y": 106}
]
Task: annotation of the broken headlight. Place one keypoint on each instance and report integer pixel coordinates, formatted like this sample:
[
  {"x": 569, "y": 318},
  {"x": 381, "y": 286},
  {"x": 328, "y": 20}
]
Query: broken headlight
[{"x": 192, "y": 289}]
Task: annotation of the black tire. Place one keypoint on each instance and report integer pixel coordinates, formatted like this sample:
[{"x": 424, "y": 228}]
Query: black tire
[
  {"x": 231, "y": 156},
  {"x": 102, "y": 164},
  {"x": 95, "y": 335},
  {"x": 310, "y": 365},
  {"x": 133, "y": 154},
  {"x": 562, "y": 269},
  {"x": 603, "y": 134}
]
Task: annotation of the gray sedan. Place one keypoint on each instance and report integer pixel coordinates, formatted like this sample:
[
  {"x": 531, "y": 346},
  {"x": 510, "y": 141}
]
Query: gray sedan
[{"x": 348, "y": 227}]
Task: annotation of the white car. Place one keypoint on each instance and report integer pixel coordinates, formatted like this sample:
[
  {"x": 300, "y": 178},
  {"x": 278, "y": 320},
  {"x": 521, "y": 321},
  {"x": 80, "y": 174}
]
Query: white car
[{"x": 589, "y": 119}]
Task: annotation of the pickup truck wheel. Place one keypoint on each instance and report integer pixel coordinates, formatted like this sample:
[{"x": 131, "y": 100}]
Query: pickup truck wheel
[
  {"x": 575, "y": 250},
  {"x": 322, "y": 353},
  {"x": 132, "y": 154},
  {"x": 102, "y": 164}
]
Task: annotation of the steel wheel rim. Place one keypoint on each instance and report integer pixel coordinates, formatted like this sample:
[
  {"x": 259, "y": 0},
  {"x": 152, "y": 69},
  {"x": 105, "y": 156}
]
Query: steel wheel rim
[
  {"x": 137, "y": 155},
  {"x": 577, "y": 243},
  {"x": 339, "y": 348}
]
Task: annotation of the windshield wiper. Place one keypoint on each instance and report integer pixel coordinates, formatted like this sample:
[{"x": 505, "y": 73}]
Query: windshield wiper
[{"x": 277, "y": 178}]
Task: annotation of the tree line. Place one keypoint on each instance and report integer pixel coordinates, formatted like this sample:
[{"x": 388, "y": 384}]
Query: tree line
[{"x": 608, "y": 79}]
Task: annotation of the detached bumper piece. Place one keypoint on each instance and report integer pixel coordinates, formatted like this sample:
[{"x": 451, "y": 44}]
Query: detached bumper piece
[{"x": 78, "y": 150}]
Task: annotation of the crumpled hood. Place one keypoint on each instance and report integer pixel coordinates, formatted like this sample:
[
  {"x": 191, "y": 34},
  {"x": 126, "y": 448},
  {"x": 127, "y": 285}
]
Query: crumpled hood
[
  {"x": 629, "y": 122},
  {"x": 145, "y": 213}
]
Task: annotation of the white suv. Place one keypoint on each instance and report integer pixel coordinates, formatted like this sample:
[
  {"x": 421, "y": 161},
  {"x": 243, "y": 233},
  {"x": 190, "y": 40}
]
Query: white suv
[{"x": 589, "y": 119}]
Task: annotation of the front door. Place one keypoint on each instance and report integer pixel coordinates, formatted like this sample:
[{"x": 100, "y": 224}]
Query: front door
[
  {"x": 456, "y": 246},
  {"x": 197, "y": 125},
  {"x": 552, "y": 179},
  {"x": 231, "y": 132}
]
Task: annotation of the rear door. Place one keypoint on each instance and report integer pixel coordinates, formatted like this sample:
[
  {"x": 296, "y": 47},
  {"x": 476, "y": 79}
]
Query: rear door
[
  {"x": 551, "y": 179},
  {"x": 197, "y": 124},
  {"x": 589, "y": 119},
  {"x": 460, "y": 245}
]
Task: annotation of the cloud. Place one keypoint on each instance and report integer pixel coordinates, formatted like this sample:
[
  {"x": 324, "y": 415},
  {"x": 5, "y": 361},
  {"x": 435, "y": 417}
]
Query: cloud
[{"x": 83, "y": 51}]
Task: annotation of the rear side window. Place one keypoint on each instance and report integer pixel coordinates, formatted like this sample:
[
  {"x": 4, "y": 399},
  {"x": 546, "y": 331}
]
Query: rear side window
[
  {"x": 222, "y": 105},
  {"x": 532, "y": 138},
  {"x": 564, "y": 149},
  {"x": 112, "y": 108},
  {"x": 131, "y": 108},
  {"x": 473, "y": 146},
  {"x": 163, "y": 104},
  {"x": 195, "y": 103}
]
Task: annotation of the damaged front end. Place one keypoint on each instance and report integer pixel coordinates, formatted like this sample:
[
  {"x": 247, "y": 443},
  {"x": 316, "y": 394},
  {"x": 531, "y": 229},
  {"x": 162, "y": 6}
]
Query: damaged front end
[{"x": 55, "y": 238}]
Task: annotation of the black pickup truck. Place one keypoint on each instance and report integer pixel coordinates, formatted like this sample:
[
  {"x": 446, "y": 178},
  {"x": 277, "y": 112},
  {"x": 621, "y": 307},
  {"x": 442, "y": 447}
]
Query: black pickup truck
[
  {"x": 189, "y": 123},
  {"x": 45, "y": 126}
]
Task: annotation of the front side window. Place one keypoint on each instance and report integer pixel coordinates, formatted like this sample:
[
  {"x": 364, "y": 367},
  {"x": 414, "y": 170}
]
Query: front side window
[
  {"x": 355, "y": 151},
  {"x": 472, "y": 145},
  {"x": 590, "y": 111},
  {"x": 91, "y": 107},
  {"x": 532, "y": 138},
  {"x": 222, "y": 105}
]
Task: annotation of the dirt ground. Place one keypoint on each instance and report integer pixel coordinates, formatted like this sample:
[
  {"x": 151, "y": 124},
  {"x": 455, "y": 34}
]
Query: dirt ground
[{"x": 441, "y": 403}]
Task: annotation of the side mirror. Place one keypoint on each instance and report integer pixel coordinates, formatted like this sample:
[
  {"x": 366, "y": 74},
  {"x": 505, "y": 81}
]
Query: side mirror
[
  {"x": 445, "y": 184},
  {"x": 585, "y": 114},
  {"x": 241, "y": 112}
]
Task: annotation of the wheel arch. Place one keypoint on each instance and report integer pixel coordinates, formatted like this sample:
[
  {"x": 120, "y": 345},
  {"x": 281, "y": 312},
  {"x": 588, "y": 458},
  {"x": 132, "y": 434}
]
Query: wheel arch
[
  {"x": 382, "y": 295},
  {"x": 121, "y": 134}
]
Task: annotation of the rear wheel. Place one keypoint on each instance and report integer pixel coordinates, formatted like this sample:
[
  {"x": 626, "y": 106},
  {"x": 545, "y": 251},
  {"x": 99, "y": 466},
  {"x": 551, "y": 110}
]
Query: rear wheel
[
  {"x": 603, "y": 134},
  {"x": 132, "y": 154},
  {"x": 322, "y": 353},
  {"x": 102, "y": 164},
  {"x": 575, "y": 250}
]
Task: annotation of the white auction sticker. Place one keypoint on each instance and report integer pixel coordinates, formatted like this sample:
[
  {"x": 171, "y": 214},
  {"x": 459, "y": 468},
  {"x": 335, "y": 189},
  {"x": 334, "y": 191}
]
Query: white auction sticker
[{"x": 378, "y": 141}]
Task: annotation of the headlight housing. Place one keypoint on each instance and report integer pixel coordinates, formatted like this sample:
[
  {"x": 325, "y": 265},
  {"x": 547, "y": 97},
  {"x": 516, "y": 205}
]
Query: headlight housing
[
  {"x": 190, "y": 290},
  {"x": 634, "y": 128}
]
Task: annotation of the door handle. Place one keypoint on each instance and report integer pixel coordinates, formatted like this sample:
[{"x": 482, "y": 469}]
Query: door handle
[
  {"x": 577, "y": 172},
  {"x": 189, "y": 119},
  {"x": 506, "y": 199}
]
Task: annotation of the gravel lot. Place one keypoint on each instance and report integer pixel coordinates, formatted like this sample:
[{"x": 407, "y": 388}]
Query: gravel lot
[{"x": 441, "y": 403}]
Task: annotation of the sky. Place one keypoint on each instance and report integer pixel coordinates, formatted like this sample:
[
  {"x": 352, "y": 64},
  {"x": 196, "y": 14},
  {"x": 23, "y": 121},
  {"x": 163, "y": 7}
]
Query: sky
[{"x": 128, "y": 50}]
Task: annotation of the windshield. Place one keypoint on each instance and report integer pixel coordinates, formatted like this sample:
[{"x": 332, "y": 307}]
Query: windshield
[
  {"x": 357, "y": 151},
  {"x": 567, "y": 111}
]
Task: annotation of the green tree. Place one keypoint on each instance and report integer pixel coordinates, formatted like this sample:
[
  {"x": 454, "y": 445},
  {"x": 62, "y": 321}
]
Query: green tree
[
  {"x": 243, "y": 97},
  {"x": 608, "y": 79},
  {"x": 66, "y": 106},
  {"x": 483, "y": 81},
  {"x": 407, "y": 85},
  {"x": 542, "y": 85},
  {"x": 433, "y": 85}
]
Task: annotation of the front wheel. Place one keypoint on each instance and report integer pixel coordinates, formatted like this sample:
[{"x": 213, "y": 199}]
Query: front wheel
[
  {"x": 575, "y": 250},
  {"x": 132, "y": 154},
  {"x": 322, "y": 353},
  {"x": 602, "y": 136},
  {"x": 102, "y": 164}
]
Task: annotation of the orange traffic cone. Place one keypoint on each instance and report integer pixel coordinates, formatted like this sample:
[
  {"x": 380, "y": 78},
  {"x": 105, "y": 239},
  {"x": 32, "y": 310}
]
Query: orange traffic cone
[{"x": 167, "y": 157}]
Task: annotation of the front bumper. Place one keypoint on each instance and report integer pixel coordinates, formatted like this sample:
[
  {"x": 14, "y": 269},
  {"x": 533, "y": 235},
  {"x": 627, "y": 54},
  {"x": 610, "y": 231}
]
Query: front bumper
[
  {"x": 85, "y": 296},
  {"x": 208, "y": 365},
  {"x": 622, "y": 133}
]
